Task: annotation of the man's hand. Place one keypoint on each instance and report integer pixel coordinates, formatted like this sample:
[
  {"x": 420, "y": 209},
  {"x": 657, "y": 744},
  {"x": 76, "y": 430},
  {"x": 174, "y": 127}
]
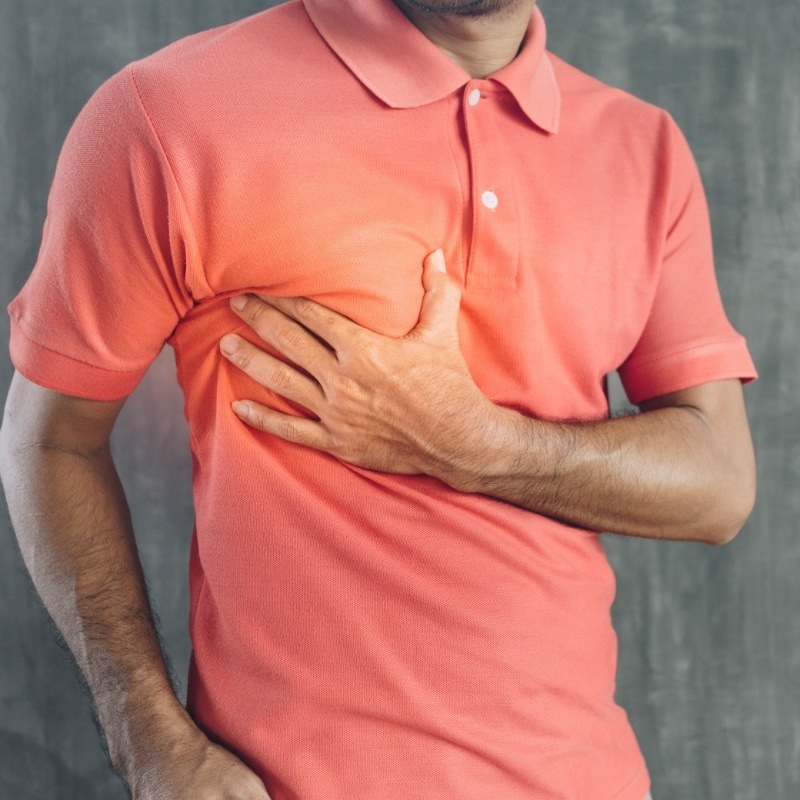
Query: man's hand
[
  {"x": 684, "y": 469},
  {"x": 73, "y": 525},
  {"x": 403, "y": 405},
  {"x": 184, "y": 764}
]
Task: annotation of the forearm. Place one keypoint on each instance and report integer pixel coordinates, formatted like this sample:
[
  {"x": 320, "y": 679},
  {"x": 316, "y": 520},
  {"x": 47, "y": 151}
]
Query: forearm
[
  {"x": 657, "y": 474},
  {"x": 74, "y": 529}
]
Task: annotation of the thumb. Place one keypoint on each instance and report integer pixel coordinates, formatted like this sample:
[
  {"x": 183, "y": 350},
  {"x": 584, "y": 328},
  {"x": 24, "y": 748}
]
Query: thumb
[{"x": 438, "y": 317}]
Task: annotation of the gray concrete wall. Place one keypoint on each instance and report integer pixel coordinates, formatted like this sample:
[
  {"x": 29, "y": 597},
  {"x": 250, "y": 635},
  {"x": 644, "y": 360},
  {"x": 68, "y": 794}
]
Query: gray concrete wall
[{"x": 709, "y": 637}]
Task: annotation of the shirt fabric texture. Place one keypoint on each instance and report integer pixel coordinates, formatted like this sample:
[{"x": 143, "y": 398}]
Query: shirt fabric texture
[{"x": 360, "y": 635}]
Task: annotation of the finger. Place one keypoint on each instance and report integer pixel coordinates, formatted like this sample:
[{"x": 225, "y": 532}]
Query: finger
[
  {"x": 284, "y": 334},
  {"x": 272, "y": 372},
  {"x": 438, "y": 317},
  {"x": 292, "y": 429},
  {"x": 250, "y": 788},
  {"x": 338, "y": 331}
]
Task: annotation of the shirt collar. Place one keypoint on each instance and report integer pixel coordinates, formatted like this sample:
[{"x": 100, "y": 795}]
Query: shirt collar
[{"x": 405, "y": 69}]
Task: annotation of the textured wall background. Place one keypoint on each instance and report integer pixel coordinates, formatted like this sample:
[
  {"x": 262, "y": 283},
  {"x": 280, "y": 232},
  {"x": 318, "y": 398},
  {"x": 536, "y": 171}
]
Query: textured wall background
[{"x": 709, "y": 637}]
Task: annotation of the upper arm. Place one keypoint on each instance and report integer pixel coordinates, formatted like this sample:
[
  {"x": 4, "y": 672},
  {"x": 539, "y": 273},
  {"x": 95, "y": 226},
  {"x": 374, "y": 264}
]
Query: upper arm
[
  {"x": 721, "y": 404},
  {"x": 34, "y": 414},
  {"x": 111, "y": 280},
  {"x": 688, "y": 353},
  {"x": 687, "y": 339}
]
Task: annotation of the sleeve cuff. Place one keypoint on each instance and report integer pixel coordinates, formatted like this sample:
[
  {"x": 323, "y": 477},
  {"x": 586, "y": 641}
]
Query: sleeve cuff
[
  {"x": 671, "y": 372},
  {"x": 67, "y": 375}
]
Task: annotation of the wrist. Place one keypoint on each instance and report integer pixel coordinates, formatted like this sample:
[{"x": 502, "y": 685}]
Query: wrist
[
  {"x": 143, "y": 727},
  {"x": 488, "y": 456}
]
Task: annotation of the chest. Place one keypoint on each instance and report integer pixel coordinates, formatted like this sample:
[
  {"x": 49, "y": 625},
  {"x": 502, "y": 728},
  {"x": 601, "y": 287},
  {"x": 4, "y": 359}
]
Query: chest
[{"x": 552, "y": 252}]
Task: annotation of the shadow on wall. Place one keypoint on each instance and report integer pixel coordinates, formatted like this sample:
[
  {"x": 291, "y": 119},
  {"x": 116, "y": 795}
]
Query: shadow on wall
[{"x": 28, "y": 771}]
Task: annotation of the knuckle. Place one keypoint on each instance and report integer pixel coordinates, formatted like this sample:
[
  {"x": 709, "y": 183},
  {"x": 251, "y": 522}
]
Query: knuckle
[
  {"x": 254, "y": 310},
  {"x": 306, "y": 307},
  {"x": 452, "y": 291},
  {"x": 256, "y": 417},
  {"x": 367, "y": 349},
  {"x": 280, "y": 378},
  {"x": 289, "y": 335},
  {"x": 247, "y": 780},
  {"x": 345, "y": 386},
  {"x": 285, "y": 428},
  {"x": 243, "y": 356}
]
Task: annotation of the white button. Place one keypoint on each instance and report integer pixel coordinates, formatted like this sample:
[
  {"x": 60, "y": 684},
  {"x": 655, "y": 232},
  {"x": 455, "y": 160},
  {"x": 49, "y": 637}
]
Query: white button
[
  {"x": 474, "y": 96},
  {"x": 489, "y": 199}
]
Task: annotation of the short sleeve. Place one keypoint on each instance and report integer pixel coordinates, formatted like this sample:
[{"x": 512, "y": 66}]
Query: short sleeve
[
  {"x": 687, "y": 339},
  {"x": 110, "y": 282}
]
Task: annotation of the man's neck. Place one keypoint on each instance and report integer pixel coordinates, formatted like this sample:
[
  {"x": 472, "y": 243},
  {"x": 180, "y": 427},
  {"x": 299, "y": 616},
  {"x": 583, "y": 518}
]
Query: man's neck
[{"x": 480, "y": 43}]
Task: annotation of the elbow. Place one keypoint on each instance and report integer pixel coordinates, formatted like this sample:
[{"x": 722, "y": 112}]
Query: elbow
[
  {"x": 720, "y": 534},
  {"x": 5, "y": 457},
  {"x": 11, "y": 466},
  {"x": 733, "y": 510}
]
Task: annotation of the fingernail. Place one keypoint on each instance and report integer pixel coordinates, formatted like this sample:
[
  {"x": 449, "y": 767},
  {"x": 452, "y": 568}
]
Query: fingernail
[
  {"x": 240, "y": 408},
  {"x": 228, "y": 344},
  {"x": 239, "y": 302},
  {"x": 438, "y": 260}
]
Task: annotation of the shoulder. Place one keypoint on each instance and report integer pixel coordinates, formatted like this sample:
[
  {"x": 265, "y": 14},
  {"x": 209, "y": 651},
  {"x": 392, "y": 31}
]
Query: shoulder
[
  {"x": 200, "y": 70},
  {"x": 634, "y": 137},
  {"x": 254, "y": 35},
  {"x": 579, "y": 87},
  {"x": 595, "y": 106}
]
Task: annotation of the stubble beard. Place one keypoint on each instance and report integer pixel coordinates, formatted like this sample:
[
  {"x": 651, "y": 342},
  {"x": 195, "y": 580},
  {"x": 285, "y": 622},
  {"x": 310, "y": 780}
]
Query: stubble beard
[{"x": 462, "y": 8}]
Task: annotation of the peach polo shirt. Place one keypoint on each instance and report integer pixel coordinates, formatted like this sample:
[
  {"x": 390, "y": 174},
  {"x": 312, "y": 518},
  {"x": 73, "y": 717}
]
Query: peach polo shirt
[{"x": 360, "y": 635}]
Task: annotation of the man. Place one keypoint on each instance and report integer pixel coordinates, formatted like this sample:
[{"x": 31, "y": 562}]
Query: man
[{"x": 398, "y": 589}]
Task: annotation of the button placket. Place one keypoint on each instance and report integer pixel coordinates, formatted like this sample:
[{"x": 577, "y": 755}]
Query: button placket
[{"x": 493, "y": 260}]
